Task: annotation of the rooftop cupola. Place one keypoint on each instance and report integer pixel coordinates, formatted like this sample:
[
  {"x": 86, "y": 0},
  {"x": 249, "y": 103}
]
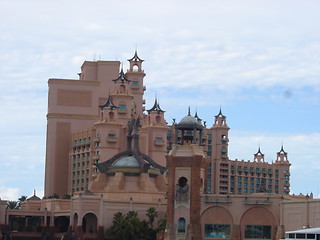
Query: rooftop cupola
[
  {"x": 259, "y": 156},
  {"x": 135, "y": 63},
  {"x": 282, "y": 156},
  {"x": 108, "y": 104},
  {"x": 156, "y": 107},
  {"x": 190, "y": 130},
  {"x": 107, "y": 112},
  {"x": 122, "y": 77},
  {"x": 220, "y": 120}
]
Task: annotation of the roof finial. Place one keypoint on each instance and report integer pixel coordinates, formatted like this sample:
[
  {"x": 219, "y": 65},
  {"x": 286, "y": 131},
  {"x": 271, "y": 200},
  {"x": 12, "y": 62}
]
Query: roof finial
[
  {"x": 34, "y": 192},
  {"x": 189, "y": 111}
]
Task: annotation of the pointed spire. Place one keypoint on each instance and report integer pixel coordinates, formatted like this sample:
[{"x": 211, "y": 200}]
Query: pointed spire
[
  {"x": 122, "y": 77},
  {"x": 259, "y": 152},
  {"x": 156, "y": 107},
  {"x": 196, "y": 116},
  {"x": 220, "y": 113},
  {"x": 189, "y": 111},
  {"x": 109, "y": 103},
  {"x": 135, "y": 57},
  {"x": 282, "y": 150}
]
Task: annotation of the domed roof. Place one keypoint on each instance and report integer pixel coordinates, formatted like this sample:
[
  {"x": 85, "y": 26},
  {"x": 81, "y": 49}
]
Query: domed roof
[
  {"x": 127, "y": 161},
  {"x": 189, "y": 123},
  {"x": 34, "y": 197}
]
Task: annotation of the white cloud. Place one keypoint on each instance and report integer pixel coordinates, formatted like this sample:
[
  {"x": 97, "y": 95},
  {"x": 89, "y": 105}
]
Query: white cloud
[{"x": 9, "y": 193}]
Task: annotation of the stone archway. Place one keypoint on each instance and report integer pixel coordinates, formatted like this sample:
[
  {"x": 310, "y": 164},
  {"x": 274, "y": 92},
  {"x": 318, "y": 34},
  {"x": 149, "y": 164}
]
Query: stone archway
[
  {"x": 258, "y": 223},
  {"x": 89, "y": 223},
  {"x": 217, "y": 222}
]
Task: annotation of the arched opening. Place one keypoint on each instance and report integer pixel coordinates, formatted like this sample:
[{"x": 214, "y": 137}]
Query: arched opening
[
  {"x": 135, "y": 68},
  {"x": 89, "y": 223},
  {"x": 122, "y": 89},
  {"x": 75, "y": 220},
  {"x": 182, "y": 189},
  {"x": 158, "y": 119},
  {"x": 111, "y": 115},
  {"x": 181, "y": 225},
  {"x": 182, "y": 182},
  {"x": 258, "y": 223},
  {"x": 217, "y": 222}
]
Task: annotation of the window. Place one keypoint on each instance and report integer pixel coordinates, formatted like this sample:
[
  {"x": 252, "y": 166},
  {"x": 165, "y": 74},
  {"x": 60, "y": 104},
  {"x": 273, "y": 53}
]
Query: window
[
  {"x": 181, "y": 225},
  {"x": 135, "y": 83},
  {"x": 258, "y": 231},
  {"x": 217, "y": 230}
]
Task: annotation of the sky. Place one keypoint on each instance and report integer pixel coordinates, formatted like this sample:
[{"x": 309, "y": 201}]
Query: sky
[{"x": 257, "y": 60}]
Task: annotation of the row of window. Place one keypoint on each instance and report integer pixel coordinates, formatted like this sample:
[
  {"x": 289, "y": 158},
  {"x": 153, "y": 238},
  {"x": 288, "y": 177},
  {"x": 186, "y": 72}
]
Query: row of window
[{"x": 250, "y": 231}]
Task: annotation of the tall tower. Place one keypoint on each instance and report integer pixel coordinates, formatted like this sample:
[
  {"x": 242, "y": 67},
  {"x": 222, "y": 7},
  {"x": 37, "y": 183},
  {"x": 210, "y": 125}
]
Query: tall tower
[
  {"x": 283, "y": 173},
  {"x": 156, "y": 127},
  {"x": 136, "y": 74},
  {"x": 186, "y": 174},
  {"x": 219, "y": 159}
]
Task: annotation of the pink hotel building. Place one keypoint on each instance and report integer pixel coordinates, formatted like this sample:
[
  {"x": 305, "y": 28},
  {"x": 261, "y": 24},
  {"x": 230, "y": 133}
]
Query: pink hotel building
[
  {"x": 111, "y": 154},
  {"x": 87, "y": 123}
]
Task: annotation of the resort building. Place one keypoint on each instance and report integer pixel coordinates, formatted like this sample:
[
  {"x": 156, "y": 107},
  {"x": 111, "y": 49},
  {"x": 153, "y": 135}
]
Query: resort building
[{"x": 111, "y": 154}]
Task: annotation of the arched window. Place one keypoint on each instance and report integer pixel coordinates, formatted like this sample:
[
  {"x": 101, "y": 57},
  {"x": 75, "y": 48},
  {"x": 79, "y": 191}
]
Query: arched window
[
  {"x": 181, "y": 225},
  {"x": 158, "y": 119},
  {"x": 182, "y": 182},
  {"x": 122, "y": 89},
  {"x": 111, "y": 115},
  {"x": 135, "y": 68}
]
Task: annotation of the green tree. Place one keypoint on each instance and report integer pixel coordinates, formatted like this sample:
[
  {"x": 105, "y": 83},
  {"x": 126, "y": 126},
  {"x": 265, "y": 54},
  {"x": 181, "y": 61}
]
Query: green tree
[
  {"x": 21, "y": 199},
  {"x": 162, "y": 224},
  {"x": 151, "y": 214}
]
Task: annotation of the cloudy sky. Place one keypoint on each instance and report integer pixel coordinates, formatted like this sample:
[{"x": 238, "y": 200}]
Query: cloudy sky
[{"x": 258, "y": 60}]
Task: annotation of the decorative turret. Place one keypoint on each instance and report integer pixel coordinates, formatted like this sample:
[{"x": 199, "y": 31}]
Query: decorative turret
[
  {"x": 282, "y": 156},
  {"x": 122, "y": 77},
  {"x": 136, "y": 74},
  {"x": 156, "y": 115},
  {"x": 122, "y": 97},
  {"x": 259, "y": 156},
  {"x": 135, "y": 63},
  {"x": 106, "y": 111},
  {"x": 220, "y": 120},
  {"x": 220, "y": 139},
  {"x": 156, "y": 107}
]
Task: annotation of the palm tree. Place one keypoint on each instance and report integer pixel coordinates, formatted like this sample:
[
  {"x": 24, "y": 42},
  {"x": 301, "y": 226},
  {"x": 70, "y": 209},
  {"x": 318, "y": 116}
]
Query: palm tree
[
  {"x": 21, "y": 199},
  {"x": 12, "y": 205},
  {"x": 151, "y": 214}
]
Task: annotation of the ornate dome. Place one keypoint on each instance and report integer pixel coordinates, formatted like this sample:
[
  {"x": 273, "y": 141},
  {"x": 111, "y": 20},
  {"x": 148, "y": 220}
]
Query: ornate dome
[{"x": 189, "y": 123}]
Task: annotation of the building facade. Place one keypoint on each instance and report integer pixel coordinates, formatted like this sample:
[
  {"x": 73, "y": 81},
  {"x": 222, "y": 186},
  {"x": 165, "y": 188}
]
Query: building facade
[{"x": 112, "y": 155}]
